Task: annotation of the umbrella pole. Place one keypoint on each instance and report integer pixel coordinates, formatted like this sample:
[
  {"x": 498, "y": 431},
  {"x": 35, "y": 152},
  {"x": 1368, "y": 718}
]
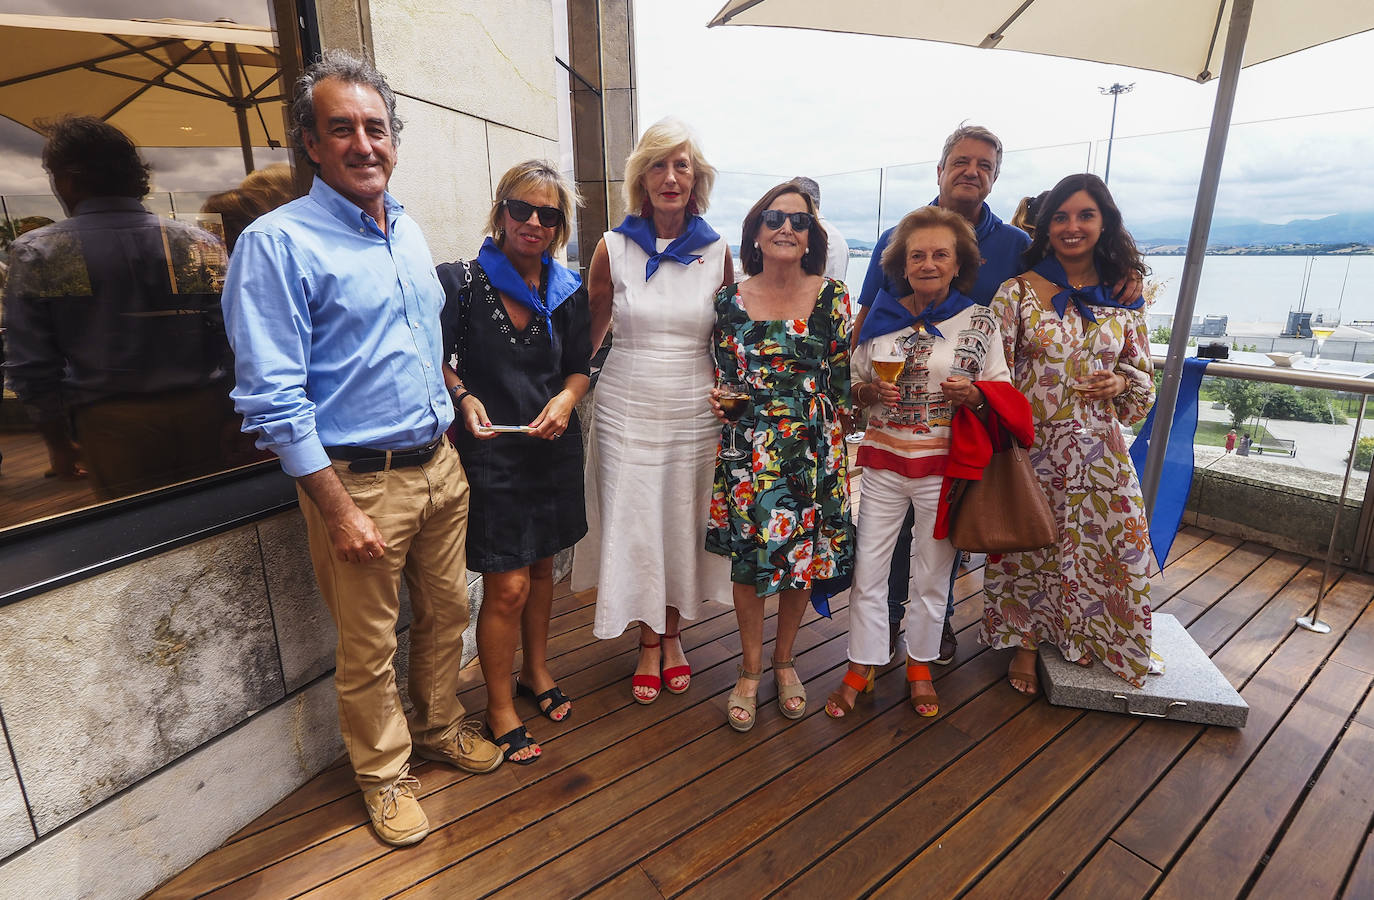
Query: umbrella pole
[{"x": 1197, "y": 245}]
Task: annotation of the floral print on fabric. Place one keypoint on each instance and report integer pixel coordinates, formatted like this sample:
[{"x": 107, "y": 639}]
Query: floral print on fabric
[
  {"x": 782, "y": 515},
  {"x": 1090, "y": 593}
]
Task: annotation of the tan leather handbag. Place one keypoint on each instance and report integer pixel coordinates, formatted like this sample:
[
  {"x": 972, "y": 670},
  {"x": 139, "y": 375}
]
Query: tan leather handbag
[{"x": 1007, "y": 511}]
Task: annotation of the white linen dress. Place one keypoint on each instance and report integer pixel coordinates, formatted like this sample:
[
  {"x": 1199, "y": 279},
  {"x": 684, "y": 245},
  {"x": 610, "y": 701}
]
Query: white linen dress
[{"x": 653, "y": 446}]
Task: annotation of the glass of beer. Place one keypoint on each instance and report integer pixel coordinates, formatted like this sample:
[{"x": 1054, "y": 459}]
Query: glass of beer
[
  {"x": 888, "y": 365},
  {"x": 734, "y": 403}
]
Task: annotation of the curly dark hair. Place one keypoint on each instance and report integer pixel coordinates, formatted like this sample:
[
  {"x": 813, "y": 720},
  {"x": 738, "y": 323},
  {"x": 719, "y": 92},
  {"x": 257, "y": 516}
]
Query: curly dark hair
[
  {"x": 965, "y": 246},
  {"x": 349, "y": 69},
  {"x": 813, "y": 262},
  {"x": 99, "y": 158},
  {"x": 1115, "y": 255}
]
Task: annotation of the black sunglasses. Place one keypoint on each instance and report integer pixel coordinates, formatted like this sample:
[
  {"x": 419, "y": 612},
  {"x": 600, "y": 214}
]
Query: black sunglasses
[
  {"x": 549, "y": 216},
  {"x": 773, "y": 219}
]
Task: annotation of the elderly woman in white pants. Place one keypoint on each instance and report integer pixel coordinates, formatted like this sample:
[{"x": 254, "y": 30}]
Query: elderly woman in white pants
[{"x": 918, "y": 359}]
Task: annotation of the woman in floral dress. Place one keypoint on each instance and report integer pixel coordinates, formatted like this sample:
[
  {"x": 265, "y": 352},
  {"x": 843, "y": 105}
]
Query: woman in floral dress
[
  {"x": 782, "y": 514},
  {"x": 1081, "y": 355}
]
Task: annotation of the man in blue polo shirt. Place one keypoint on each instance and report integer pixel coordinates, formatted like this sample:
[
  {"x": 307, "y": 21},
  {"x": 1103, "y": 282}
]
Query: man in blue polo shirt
[
  {"x": 969, "y": 165},
  {"x": 332, "y": 306}
]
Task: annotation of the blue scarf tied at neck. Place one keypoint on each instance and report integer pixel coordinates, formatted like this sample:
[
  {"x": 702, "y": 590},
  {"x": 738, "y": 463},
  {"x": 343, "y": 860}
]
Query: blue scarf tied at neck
[
  {"x": 562, "y": 281},
  {"x": 887, "y": 314},
  {"x": 695, "y": 235},
  {"x": 1052, "y": 271}
]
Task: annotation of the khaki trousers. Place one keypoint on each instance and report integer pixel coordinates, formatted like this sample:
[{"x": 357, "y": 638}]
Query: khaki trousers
[{"x": 422, "y": 513}]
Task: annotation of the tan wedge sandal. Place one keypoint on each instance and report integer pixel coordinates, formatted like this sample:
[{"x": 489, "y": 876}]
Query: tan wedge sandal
[
  {"x": 748, "y": 704},
  {"x": 788, "y": 691}
]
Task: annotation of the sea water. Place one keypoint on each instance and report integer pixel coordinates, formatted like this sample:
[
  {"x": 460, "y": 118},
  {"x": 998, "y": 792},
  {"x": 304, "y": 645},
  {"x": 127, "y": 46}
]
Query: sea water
[{"x": 1251, "y": 289}]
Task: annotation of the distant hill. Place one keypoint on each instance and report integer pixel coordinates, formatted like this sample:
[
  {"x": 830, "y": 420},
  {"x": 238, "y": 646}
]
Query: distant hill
[{"x": 1343, "y": 228}]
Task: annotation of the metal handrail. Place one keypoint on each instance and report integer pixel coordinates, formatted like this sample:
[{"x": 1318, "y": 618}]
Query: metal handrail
[
  {"x": 1307, "y": 378},
  {"x": 1284, "y": 375}
]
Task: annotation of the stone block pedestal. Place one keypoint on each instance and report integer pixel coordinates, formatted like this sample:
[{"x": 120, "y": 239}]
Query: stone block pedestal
[{"x": 1191, "y": 689}]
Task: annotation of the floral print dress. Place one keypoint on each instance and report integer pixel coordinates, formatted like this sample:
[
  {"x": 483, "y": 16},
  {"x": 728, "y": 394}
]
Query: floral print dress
[
  {"x": 782, "y": 514},
  {"x": 1089, "y": 593}
]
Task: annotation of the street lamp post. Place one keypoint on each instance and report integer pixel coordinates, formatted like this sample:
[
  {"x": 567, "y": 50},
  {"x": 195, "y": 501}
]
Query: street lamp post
[{"x": 1116, "y": 90}]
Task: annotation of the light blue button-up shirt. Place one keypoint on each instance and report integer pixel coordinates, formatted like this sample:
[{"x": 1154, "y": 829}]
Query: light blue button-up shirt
[{"x": 335, "y": 330}]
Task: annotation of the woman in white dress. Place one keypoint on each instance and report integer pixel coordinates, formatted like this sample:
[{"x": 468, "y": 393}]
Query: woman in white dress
[{"x": 654, "y": 437}]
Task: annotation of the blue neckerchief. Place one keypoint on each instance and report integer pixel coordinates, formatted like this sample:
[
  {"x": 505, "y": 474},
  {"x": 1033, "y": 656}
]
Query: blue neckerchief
[
  {"x": 887, "y": 315},
  {"x": 1052, "y": 271},
  {"x": 562, "y": 282},
  {"x": 695, "y": 235}
]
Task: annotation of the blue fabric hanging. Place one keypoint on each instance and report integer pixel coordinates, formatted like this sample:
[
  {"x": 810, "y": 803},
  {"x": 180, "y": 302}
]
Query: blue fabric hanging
[
  {"x": 695, "y": 235},
  {"x": 1176, "y": 475}
]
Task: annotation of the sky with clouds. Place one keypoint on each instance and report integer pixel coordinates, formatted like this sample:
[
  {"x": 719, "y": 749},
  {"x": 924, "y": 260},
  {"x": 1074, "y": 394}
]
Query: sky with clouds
[{"x": 782, "y": 102}]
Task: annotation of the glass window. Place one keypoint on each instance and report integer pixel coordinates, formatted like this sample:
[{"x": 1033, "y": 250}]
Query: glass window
[{"x": 115, "y": 235}]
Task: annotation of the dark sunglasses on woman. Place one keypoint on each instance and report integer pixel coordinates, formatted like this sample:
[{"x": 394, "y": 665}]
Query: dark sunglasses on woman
[
  {"x": 549, "y": 216},
  {"x": 773, "y": 218}
]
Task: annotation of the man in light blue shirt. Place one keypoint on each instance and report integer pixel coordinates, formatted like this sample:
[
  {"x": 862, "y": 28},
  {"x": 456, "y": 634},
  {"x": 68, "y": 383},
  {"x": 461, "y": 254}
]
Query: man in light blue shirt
[{"x": 332, "y": 306}]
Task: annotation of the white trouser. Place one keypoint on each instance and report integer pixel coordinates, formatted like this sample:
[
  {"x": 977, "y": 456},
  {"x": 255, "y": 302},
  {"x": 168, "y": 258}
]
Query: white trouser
[{"x": 884, "y": 498}]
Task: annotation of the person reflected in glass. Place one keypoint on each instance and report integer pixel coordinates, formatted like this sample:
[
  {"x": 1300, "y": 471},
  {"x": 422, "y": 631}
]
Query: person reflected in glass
[
  {"x": 781, "y": 514},
  {"x": 653, "y": 449},
  {"x": 1080, "y": 352},
  {"x": 516, "y": 322},
  {"x": 920, "y": 358},
  {"x": 114, "y": 330}
]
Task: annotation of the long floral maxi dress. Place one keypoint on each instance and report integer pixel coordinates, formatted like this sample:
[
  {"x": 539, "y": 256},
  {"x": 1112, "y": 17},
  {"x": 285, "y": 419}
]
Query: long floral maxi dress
[
  {"x": 1089, "y": 593},
  {"x": 782, "y": 514}
]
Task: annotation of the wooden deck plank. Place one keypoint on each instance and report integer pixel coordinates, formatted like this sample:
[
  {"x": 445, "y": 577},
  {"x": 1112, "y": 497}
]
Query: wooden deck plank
[
  {"x": 632, "y": 884},
  {"x": 1164, "y": 821},
  {"x": 1187, "y": 568},
  {"x": 1044, "y": 857},
  {"x": 707, "y": 760},
  {"x": 1221, "y": 620},
  {"x": 893, "y": 751},
  {"x": 1113, "y": 872},
  {"x": 1221, "y": 858},
  {"x": 1360, "y": 885},
  {"x": 814, "y": 832},
  {"x": 919, "y": 816},
  {"x": 486, "y": 797},
  {"x": 999, "y": 796},
  {"x": 1312, "y": 859},
  {"x": 949, "y": 865}
]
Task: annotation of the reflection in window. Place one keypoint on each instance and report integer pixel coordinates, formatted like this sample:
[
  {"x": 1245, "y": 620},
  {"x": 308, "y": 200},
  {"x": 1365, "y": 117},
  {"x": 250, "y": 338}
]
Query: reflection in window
[{"x": 116, "y": 367}]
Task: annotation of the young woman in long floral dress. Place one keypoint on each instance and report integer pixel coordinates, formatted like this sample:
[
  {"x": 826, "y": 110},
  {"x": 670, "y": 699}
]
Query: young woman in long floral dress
[{"x": 1081, "y": 355}]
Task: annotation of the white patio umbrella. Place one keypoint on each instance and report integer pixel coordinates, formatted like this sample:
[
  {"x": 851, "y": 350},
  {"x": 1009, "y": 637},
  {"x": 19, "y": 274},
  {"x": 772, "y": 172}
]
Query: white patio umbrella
[
  {"x": 1179, "y": 37},
  {"x": 164, "y": 83}
]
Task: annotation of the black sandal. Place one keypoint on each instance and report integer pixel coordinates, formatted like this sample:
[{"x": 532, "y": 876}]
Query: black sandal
[
  {"x": 555, "y": 697},
  {"x": 517, "y": 739}
]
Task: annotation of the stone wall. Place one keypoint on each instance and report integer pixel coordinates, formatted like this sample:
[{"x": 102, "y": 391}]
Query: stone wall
[{"x": 162, "y": 706}]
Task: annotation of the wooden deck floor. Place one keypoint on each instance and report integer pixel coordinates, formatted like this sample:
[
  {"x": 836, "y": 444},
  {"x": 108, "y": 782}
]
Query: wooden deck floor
[{"x": 998, "y": 797}]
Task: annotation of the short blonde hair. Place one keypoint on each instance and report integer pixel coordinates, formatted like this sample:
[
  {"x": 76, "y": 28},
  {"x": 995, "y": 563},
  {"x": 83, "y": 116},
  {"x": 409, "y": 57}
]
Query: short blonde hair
[
  {"x": 534, "y": 173},
  {"x": 658, "y": 140}
]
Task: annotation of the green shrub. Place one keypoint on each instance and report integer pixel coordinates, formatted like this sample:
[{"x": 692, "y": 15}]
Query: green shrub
[{"x": 1364, "y": 453}]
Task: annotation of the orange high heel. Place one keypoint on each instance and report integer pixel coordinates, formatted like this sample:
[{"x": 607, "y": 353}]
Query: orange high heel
[
  {"x": 918, "y": 673},
  {"x": 862, "y": 684}
]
